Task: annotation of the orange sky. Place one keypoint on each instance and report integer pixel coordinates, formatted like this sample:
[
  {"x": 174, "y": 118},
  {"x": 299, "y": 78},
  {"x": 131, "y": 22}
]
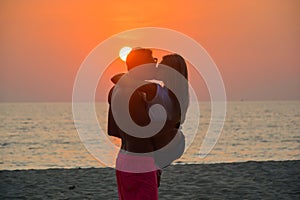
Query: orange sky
[{"x": 256, "y": 44}]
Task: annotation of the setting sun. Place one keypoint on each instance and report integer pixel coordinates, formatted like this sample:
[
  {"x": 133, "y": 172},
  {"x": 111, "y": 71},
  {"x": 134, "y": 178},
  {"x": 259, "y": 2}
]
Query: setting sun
[{"x": 124, "y": 52}]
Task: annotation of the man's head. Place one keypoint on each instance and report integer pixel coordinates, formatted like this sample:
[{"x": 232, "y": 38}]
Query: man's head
[{"x": 139, "y": 56}]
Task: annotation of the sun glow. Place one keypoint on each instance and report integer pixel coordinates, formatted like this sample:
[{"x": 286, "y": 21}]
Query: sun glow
[{"x": 124, "y": 52}]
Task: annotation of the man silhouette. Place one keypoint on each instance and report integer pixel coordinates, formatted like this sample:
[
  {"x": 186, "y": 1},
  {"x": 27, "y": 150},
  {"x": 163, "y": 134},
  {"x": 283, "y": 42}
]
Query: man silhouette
[{"x": 134, "y": 185}]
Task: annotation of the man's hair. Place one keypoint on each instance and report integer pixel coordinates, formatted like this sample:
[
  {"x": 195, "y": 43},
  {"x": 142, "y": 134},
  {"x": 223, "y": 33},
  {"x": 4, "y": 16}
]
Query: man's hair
[{"x": 139, "y": 56}]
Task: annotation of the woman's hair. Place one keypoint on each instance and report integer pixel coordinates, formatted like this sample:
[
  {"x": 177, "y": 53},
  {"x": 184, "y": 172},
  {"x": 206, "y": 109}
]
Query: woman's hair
[{"x": 178, "y": 63}]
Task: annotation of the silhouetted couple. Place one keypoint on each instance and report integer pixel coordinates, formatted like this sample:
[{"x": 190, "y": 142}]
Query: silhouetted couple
[{"x": 144, "y": 153}]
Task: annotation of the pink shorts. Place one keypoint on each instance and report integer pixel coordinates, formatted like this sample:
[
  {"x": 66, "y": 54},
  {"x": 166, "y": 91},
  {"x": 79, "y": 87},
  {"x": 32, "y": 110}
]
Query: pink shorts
[{"x": 133, "y": 185}]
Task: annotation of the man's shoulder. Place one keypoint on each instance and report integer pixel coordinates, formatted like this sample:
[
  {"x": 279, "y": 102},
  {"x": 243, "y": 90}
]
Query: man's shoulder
[{"x": 110, "y": 94}]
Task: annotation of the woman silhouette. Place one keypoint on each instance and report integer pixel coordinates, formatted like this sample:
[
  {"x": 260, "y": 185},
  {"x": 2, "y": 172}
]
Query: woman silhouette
[{"x": 170, "y": 142}]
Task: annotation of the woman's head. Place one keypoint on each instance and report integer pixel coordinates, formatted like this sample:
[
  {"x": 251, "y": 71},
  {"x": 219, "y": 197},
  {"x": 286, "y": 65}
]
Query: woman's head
[{"x": 176, "y": 62}]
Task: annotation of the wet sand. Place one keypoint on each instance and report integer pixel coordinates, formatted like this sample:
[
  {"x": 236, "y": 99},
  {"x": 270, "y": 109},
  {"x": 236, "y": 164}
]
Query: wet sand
[{"x": 248, "y": 180}]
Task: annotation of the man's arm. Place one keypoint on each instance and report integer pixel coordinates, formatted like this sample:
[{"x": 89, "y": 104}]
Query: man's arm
[{"x": 112, "y": 128}]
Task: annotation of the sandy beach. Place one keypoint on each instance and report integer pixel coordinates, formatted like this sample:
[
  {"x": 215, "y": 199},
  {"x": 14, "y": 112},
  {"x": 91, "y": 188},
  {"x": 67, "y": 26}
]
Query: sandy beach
[{"x": 248, "y": 180}]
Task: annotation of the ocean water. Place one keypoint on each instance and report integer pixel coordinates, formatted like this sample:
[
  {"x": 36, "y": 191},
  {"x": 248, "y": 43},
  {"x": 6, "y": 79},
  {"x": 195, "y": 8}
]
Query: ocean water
[{"x": 43, "y": 135}]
